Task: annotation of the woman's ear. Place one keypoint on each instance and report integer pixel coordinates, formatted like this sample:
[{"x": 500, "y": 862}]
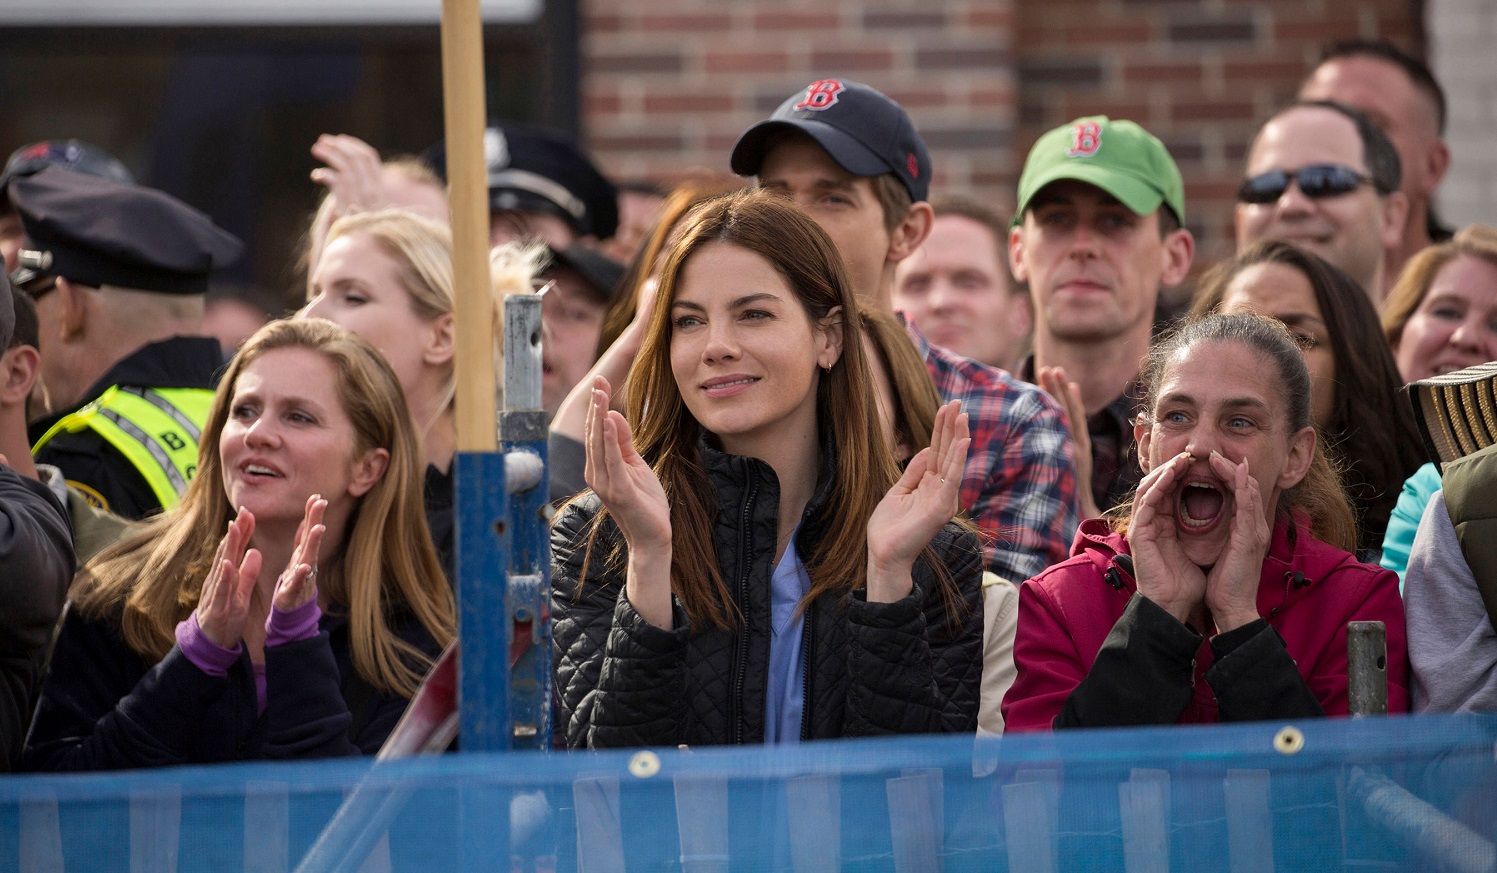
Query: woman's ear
[
  {"x": 367, "y": 471},
  {"x": 832, "y": 333},
  {"x": 1301, "y": 453},
  {"x": 1143, "y": 436},
  {"x": 441, "y": 344}
]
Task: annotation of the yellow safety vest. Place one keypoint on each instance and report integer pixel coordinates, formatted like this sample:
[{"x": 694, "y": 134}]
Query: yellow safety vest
[{"x": 156, "y": 429}]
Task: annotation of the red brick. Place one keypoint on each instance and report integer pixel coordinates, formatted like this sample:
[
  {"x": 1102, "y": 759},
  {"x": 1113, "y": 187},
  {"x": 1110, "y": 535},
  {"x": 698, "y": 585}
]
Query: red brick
[
  {"x": 683, "y": 22},
  {"x": 1067, "y": 72},
  {"x": 635, "y": 62},
  {"x": 970, "y": 58},
  {"x": 926, "y": 98},
  {"x": 778, "y": 19},
  {"x": 1162, "y": 71},
  {"x": 1235, "y": 28},
  {"x": 1304, "y": 29},
  {"x": 990, "y": 98},
  {"x": 636, "y": 142},
  {"x": 746, "y": 61},
  {"x": 902, "y": 20},
  {"x": 694, "y": 103},
  {"x": 859, "y": 60},
  {"x": 595, "y": 104},
  {"x": 1262, "y": 69},
  {"x": 1104, "y": 33},
  {"x": 1209, "y": 109},
  {"x": 1000, "y": 18},
  {"x": 1131, "y": 107}
]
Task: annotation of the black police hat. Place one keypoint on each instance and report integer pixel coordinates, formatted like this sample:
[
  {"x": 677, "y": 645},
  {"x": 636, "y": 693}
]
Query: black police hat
[
  {"x": 71, "y": 154},
  {"x": 595, "y": 268},
  {"x": 96, "y": 231},
  {"x": 865, "y": 132},
  {"x": 536, "y": 169}
]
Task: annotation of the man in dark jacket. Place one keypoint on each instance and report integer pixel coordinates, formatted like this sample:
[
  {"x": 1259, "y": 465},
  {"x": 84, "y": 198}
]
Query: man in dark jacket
[{"x": 36, "y": 565}]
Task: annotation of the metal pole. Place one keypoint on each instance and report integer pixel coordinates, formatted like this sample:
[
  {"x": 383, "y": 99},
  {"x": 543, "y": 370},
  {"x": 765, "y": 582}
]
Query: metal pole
[{"x": 1366, "y": 668}]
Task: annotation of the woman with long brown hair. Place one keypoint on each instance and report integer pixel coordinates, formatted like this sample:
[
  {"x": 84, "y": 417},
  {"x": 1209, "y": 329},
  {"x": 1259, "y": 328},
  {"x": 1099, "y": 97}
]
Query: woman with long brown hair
[
  {"x": 288, "y": 607},
  {"x": 750, "y": 565}
]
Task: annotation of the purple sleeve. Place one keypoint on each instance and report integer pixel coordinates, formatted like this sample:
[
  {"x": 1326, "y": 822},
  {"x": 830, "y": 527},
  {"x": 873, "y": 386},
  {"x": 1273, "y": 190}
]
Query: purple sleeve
[
  {"x": 289, "y": 626},
  {"x": 206, "y": 655}
]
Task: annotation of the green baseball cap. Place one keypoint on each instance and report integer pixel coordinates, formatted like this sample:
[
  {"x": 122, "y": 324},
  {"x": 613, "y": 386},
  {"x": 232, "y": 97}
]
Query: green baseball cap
[{"x": 1120, "y": 157}]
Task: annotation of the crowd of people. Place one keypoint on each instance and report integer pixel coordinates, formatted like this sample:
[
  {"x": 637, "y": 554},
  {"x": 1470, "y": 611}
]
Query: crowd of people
[{"x": 830, "y": 456}]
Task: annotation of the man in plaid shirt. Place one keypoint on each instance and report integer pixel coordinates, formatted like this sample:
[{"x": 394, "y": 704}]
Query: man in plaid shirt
[{"x": 851, "y": 159}]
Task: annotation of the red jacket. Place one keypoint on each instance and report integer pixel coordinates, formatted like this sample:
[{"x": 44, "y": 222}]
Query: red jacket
[{"x": 1067, "y": 612}]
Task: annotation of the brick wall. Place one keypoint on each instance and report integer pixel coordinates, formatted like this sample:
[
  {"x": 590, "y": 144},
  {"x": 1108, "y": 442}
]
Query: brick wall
[{"x": 670, "y": 84}]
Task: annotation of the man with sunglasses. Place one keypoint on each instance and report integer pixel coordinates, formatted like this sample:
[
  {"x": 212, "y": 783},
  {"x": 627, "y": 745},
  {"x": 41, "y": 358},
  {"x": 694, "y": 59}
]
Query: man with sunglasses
[
  {"x": 1099, "y": 230},
  {"x": 1322, "y": 176},
  {"x": 1399, "y": 94}
]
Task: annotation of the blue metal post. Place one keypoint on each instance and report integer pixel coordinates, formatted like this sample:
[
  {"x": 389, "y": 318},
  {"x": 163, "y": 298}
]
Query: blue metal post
[
  {"x": 483, "y": 545},
  {"x": 523, "y": 429}
]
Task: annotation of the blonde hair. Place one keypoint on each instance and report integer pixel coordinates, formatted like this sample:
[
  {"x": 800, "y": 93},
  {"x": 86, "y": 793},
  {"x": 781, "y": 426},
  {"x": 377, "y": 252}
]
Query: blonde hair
[
  {"x": 1473, "y": 241},
  {"x": 386, "y": 565}
]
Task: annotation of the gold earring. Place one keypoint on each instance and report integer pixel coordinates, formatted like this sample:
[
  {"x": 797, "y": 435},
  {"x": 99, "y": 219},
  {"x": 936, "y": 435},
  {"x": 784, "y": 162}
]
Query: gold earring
[{"x": 827, "y": 368}]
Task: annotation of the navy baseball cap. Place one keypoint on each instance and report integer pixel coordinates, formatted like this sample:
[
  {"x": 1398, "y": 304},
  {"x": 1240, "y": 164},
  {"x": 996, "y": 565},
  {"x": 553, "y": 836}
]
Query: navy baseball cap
[
  {"x": 96, "y": 231},
  {"x": 540, "y": 170},
  {"x": 866, "y": 133}
]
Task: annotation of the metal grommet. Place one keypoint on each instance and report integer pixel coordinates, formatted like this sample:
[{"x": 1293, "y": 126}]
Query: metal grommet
[
  {"x": 644, "y": 764},
  {"x": 1289, "y": 740}
]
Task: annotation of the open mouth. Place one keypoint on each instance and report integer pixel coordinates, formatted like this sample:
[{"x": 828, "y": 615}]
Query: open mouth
[{"x": 1199, "y": 505}]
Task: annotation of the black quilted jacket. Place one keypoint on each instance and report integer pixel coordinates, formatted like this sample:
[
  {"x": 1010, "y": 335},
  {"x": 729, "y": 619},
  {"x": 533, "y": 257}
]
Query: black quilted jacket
[{"x": 905, "y": 667}]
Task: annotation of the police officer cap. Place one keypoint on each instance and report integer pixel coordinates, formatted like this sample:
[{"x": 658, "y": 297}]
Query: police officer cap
[
  {"x": 96, "y": 231},
  {"x": 72, "y": 154},
  {"x": 540, "y": 170}
]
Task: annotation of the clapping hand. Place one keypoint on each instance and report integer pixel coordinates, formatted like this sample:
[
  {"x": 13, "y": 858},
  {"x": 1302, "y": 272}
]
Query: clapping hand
[
  {"x": 223, "y": 606},
  {"x": 298, "y": 584},
  {"x": 1068, "y": 394},
  {"x": 1163, "y": 572},
  {"x": 634, "y": 497},
  {"x": 916, "y": 507}
]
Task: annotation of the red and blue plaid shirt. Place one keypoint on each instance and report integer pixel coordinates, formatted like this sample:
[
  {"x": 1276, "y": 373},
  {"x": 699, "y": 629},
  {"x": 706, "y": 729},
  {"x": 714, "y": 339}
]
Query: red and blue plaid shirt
[{"x": 1020, "y": 483}]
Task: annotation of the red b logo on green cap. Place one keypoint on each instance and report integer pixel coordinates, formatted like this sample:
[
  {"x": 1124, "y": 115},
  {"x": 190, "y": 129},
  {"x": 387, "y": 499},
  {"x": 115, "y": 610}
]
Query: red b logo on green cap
[{"x": 1086, "y": 139}]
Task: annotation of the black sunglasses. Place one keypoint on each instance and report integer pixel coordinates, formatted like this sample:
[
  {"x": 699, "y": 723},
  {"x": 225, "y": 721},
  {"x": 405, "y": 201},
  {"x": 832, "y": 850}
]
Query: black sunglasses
[{"x": 1316, "y": 182}]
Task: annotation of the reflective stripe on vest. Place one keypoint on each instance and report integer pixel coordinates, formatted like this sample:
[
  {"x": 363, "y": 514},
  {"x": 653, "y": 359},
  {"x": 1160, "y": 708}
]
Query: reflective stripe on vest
[{"x": 156, "y": 429}]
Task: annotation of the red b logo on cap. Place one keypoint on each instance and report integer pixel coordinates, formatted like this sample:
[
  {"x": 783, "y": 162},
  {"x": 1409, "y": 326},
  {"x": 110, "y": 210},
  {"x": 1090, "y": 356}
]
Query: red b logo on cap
[
  {"x": 820, "y": 95},
  {"x": 1086, "y": 139}
]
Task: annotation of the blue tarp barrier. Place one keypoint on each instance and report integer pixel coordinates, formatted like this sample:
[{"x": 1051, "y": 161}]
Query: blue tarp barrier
[{"x": 1417, "y": 793}]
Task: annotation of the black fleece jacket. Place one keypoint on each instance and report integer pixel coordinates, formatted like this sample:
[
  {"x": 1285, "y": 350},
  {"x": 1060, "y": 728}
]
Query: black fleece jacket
[
  {"x": 904, "y": 667},
  {"x": 103, "y": 707}
]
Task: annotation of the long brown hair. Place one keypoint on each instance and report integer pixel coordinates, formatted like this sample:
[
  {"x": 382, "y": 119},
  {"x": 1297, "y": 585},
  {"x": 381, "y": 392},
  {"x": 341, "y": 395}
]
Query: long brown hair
[
  {"x": 666, "y": 434},
  {"x": 385, "y": 566},
  {"x": 1319, "y": 495}
]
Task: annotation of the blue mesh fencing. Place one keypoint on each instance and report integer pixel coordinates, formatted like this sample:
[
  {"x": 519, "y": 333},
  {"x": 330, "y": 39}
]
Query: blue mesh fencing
[{"x": 1401, "y": 793}]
